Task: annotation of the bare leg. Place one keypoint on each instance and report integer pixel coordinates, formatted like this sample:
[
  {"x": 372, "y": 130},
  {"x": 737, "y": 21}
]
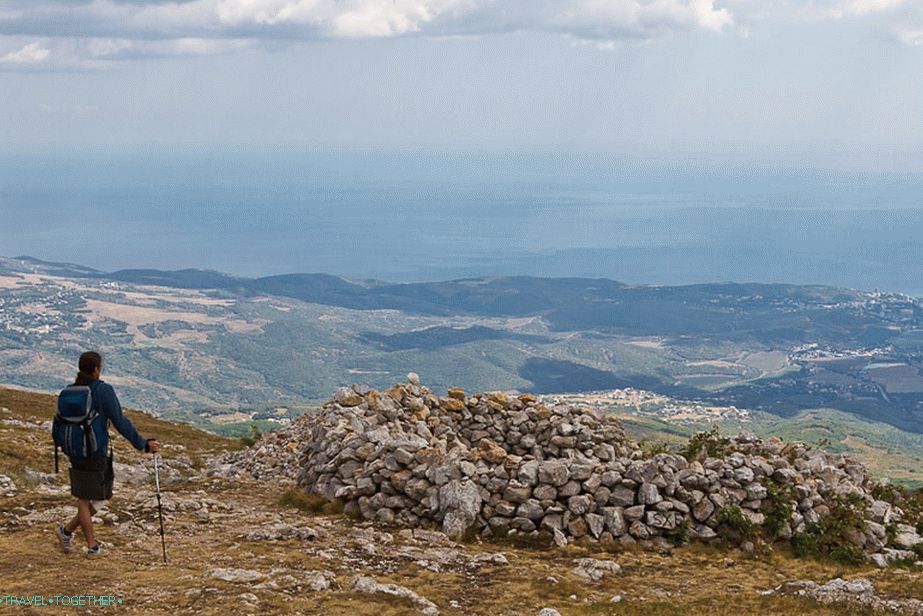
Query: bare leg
[
  {"x": 71, "y": 526},
  {"x": 84, "y": 519}
]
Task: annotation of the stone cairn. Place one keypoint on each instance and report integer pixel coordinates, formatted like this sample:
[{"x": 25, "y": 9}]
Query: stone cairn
[{"x": 493, "y": 464}]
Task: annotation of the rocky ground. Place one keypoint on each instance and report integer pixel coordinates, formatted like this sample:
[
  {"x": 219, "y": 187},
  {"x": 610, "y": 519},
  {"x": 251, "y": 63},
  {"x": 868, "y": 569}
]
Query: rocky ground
[{"x": 243, "y": 545}]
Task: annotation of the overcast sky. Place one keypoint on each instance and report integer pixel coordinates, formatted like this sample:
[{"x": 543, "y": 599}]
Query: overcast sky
[{"x": 835, "y": 81}]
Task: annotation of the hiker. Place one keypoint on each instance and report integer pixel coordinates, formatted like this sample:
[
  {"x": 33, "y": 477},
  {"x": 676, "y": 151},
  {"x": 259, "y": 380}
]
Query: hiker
[{"x": 91, "y": 472}]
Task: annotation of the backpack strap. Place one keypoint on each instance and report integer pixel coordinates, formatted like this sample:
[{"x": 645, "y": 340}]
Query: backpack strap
[{"x": 88, "y": 434}]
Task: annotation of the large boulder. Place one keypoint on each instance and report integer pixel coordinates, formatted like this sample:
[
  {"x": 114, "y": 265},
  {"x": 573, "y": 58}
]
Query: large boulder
[{"x": 460, "y": 503}]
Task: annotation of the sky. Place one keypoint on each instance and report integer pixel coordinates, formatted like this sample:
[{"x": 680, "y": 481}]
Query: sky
[{"x": 783, "y": 82}]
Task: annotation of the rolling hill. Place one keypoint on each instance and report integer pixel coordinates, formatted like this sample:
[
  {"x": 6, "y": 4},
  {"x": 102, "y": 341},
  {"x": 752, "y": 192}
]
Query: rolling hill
[{"x": 194, "y": 343}]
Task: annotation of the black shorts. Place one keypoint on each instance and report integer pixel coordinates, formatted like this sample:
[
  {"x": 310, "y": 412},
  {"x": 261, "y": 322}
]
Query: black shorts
[{"x": 91, "y": 479}]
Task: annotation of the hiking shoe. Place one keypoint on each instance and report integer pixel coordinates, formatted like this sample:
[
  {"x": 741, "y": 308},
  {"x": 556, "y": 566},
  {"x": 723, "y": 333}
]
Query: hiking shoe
[
  {"x": 66, "y": 539},
  {"x": 96, "y": 551}
]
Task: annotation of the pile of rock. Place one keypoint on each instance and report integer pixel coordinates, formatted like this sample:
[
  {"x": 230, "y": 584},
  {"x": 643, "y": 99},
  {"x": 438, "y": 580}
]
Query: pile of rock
[
  {"x": 276, "y": 456},
  {"x": 495, "y": 464}
]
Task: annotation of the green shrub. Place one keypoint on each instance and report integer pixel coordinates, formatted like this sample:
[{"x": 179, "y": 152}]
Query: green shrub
[
  {"x": 679, "y": 535},
  {"x": 649, "y": 449},
  {"x": 734, "y": 525},
  {"x": 829, "y": 538},
  {"x": 883, "y": 492},
  {"x": 708, "y": 444},
  {"x": 777, "y": 507},
  {"x": 890, "y": 533},
  {"x": 254, "y": 436},
  {"x": 904, "y": 563}
]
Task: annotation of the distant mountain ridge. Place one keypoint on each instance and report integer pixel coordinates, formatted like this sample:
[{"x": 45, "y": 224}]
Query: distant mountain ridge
[
  {"x": 494, "y": 296},
  {"x": 760, "y": 311}
]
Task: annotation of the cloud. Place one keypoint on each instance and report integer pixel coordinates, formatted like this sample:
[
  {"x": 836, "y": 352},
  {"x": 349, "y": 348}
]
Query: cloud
[
  {"x": 607, "y": 20},
  {"x": 311, "y": 19},
  {"x": 845, "y": 9},
  {"x": 30, "y": 53},
  {"x": 110, "y": 49},
  {"x": 95, "y": 32},
  {"x": 902, "y": 19},
  {"x": 910, "y": 37},
  {"x": 76, "y": 54},
  {"x": 865, "y": 7}
]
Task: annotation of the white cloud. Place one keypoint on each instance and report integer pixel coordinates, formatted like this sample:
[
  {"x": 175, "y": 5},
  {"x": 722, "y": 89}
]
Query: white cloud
[
  {"x": 356, "y": 18},
  {"x": 68, "y": 54},
  {"x": 30, "y": 53},
  {"x": 911, "y": 37},
  {"x": 614, "y": 19},
  {"x": 98, "y": 32},
  {"x": 120, "y": 49},
  {"x": 95, "y": 31},
  {"x": 842, "y": 9},
  {"x": 863, "y": 7}
]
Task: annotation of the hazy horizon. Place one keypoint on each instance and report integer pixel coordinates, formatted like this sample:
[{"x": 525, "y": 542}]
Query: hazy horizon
[{"x": 403, "y": 216}]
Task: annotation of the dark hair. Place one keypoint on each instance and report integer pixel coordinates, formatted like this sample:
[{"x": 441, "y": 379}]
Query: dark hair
[{"x": 89, "y": 361}]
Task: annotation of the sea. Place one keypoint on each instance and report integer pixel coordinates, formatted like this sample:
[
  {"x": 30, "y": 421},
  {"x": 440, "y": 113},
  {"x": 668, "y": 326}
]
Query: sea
[{"x": 403, "y": 215}]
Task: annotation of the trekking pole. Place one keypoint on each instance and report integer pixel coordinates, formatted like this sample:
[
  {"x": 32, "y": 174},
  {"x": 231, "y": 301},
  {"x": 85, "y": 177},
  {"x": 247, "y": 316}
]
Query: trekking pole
[{"x": 163, "y": 541}]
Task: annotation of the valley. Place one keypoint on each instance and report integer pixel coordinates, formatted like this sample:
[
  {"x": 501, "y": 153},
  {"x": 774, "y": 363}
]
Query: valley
[{"x": 194, "y": 345}]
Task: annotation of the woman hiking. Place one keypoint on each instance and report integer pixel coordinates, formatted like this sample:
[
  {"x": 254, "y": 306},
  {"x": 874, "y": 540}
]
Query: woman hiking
[{"x": 91, "y": 475}]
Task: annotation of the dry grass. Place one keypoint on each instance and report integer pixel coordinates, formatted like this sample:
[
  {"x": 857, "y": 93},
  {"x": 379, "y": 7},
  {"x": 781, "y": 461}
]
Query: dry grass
[{"x": 309, "y": 503}]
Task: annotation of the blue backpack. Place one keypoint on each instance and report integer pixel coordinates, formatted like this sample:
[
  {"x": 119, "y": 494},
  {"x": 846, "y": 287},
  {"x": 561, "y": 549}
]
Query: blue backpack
[{"x": 75, "y": 425}]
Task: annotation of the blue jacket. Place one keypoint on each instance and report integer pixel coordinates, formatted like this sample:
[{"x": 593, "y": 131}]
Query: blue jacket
[{"x": 107, "y": 405}]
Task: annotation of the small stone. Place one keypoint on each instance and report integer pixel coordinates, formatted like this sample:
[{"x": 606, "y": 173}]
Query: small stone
[
  {"x": 365, "y": 584},
  {"x": 648, "y": 494},
  {"x": 346, "y": 396},
  {"x": 595, "y": 523},
  {"x": 560, "y": 539},
  {"x": 594, "y": 570},
  {"x": 235, "y": 575},
  {"x": 578, "y": 505},
  {"x": 452, "y": 404}
]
